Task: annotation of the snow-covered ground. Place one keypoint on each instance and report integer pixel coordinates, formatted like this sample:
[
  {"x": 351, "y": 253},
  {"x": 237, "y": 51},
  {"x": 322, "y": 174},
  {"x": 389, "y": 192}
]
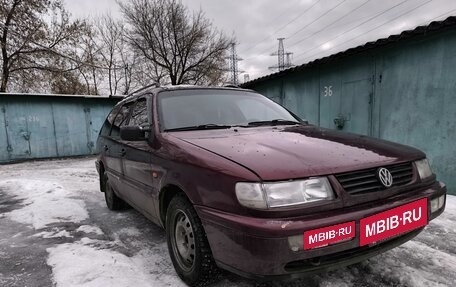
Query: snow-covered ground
[{"x": 56, "y": 230}]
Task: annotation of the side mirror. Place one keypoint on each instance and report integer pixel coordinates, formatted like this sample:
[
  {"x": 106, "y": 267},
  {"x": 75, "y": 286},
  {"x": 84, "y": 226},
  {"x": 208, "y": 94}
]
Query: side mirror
[{"x": 134, "y": 133}]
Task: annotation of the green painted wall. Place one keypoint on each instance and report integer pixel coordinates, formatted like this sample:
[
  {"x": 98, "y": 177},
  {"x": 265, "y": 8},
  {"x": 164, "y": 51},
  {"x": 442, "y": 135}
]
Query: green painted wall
[
  {"x": 403, "y": 92},
  {"x": 36, "y": 126}
]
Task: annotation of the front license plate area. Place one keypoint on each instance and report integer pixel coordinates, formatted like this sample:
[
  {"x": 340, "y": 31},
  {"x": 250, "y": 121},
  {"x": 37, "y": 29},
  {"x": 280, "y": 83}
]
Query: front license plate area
[
  {"x": 329, "y": 235},
  {"x": 393, "y": 222}
]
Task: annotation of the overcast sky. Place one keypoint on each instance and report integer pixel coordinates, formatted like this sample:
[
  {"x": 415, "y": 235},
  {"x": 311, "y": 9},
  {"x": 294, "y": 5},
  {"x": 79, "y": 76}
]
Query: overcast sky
[{"x": 312, "y": 28}]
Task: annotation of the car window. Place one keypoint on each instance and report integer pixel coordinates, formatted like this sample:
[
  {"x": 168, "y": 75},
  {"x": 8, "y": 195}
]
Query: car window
[
  {"x": 179, "y": 109},
  {"x": 106, "y": 129},
  {"x": 120, "y": 120},
  {"x": 139, "y": 114},
  {"x": 251, "y": 110}
]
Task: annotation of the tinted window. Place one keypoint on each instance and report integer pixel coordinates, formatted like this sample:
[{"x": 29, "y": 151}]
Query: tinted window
[
  {"x": 139, "y": 114},
  {"x": 109, "y": 121},
  {"x": 200, "y": 107},
  {"x": 120, "y": 120},
  {"x": 254, "y": 112}
]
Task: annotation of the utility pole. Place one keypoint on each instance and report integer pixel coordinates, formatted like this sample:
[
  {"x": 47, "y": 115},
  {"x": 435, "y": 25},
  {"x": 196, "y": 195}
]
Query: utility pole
[
  {"x": 281, "y": 64},
  {"x": 246, "y": 78},
  {"x": 233, "y": 67},
  {"x": 288, "y": 63}
]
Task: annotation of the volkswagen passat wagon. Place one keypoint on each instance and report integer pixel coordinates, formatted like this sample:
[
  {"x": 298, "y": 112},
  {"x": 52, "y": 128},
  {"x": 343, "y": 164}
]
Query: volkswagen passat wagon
[{"x": 240, "y": 183}]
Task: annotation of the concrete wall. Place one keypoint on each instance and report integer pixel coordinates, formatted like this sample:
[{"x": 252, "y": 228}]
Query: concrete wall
[
  {"x": 36, "y": 126},
  {"x": 404, "y": 92}
]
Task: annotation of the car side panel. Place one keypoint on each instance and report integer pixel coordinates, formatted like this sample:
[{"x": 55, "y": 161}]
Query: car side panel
[
  {"x": 140, "y": 186},
  {"x": 113, "y": 163}
]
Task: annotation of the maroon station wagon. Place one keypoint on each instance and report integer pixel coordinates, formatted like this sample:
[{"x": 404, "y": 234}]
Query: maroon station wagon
[{"x": 240, "y": 183}]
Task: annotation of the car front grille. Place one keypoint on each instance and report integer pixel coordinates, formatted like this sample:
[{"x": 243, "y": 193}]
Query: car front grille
[{"x": 366, "y": 181}]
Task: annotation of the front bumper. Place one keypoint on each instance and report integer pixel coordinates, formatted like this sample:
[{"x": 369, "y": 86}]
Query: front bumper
[{"x": 259, "y": 247}]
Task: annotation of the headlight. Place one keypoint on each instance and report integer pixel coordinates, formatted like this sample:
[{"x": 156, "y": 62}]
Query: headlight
[
  {"x": 424, "y": 169},
  {"x": 280, "y": 194}
]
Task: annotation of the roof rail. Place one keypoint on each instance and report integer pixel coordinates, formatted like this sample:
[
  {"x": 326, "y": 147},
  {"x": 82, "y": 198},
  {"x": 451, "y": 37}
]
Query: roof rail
[
  {"x": 231, "y": 86},
  {"x": 153, "y": 85}
]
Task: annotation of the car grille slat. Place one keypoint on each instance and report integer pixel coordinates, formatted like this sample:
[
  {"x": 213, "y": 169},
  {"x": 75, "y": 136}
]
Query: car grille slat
[
  {"x": 357, "y": 177},
  {"x": 366, "y": 181},
  {"x": 358, "y": 183}
]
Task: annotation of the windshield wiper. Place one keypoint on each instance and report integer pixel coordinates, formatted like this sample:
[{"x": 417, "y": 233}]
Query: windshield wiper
[
  {"x": 199, "y": 127},
  {"x": 273, "y": 123}
]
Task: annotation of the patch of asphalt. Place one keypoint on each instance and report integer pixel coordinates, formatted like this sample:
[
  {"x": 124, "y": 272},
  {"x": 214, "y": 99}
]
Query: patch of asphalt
[
  {"x": 9, "y": 202},
  {"x": 22, "y": 256}
]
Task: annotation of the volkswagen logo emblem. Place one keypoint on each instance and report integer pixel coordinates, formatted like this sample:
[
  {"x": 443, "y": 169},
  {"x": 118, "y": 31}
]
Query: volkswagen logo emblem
[{"x": 385, "y": 177}]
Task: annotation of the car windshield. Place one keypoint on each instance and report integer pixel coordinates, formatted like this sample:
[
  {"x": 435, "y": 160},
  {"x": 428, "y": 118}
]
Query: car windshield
[{"x": 211, "y": 108}]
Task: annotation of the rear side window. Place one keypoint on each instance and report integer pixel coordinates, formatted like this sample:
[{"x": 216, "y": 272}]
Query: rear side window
[
  {"x": 139, "y": 114},
  {"x": 109, "y": 121},
  {"x": 120, "y": 120}
]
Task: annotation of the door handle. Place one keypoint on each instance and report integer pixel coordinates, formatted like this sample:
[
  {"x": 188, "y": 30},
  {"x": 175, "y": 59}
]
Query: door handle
[
  {"x": 123, "y": 152},
  {"x": 105, "y": 148}
]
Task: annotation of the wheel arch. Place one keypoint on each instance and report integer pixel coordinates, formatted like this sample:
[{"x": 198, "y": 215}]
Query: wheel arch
[{"x": 167, "y": 193}]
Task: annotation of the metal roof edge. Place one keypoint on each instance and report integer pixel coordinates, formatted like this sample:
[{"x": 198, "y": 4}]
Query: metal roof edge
[
  {"x": 64, "y": 95},
  {"x": 432, "y": 27}
]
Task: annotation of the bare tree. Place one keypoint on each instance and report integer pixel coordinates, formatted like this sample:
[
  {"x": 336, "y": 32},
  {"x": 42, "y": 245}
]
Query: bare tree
[
  {"x": 88, "y": 53},
  {"x": 110, "y": 33},
  {"x": 182, "y": 45},
  {"x": 109, "y": 56},
  {"x": 32, "y": 34}
]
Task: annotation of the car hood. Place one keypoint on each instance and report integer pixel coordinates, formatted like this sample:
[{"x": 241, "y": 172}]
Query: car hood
[{"x": 280, "y": 153}]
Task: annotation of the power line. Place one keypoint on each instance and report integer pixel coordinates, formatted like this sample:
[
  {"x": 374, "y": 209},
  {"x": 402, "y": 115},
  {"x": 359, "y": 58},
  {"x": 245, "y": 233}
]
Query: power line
[
  {"x": 283, "y": 27},
  {"x": 422, "y": 23},
  {"x": 268, "y": 37},
  {"x": 441, "y": 15},
  {"x": 318, "y": 18},
  {"x": 332, "y": 23},
  {"x": 353, "y": 28},
  {"x": 297, "y": 17},
  {"x": 315, "y": 20},
  {"x": 376, "y": 27}
]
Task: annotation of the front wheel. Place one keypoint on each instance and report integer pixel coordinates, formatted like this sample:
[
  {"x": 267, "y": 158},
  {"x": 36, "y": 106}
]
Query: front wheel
[{"x": 187, "y": 244}]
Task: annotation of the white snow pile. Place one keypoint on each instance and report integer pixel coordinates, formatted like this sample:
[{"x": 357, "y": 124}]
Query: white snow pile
[
  {"x": 45, "y": 202},
  {"x": 91, "y": 263}
]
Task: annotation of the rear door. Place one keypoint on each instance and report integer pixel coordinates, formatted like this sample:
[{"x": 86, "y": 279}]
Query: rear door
[
  {"x": 115, "y": 151},
  {"x": 138, "y": 172}
]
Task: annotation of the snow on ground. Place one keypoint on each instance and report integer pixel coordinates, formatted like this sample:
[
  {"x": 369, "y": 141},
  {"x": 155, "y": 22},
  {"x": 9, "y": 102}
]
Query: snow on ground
[
  {"x": 107, "y": 268},
  {"x": 90, "y": 229},
  {"x": 45, "y": 202},
  {"x": 57, "y": 231}
]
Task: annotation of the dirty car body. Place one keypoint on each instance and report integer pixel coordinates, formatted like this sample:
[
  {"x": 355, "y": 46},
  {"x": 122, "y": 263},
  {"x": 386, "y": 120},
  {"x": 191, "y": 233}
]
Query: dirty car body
[{"x": 275, "y": 196}]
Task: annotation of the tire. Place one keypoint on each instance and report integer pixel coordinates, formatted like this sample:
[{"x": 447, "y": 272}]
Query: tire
[
  {"x": 113, "y": 202},
  {"x": 103, "y": 180},
  {"x": 187, "y": 244}
]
